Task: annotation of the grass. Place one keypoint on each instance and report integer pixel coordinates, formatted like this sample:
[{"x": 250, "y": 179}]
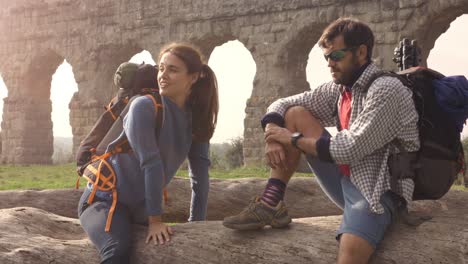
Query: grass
[
  {"x": 14, "y": 177},
  {"x": 37, "y": 176}
]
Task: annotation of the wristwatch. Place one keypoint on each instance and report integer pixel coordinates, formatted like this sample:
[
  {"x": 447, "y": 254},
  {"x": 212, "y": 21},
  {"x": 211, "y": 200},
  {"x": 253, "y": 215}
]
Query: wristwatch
[{"x": 295, "y": 137}]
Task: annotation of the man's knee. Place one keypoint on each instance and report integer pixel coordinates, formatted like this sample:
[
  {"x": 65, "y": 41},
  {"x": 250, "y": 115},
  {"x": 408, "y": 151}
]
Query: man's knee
[
  {"x": 295, "y": 113},
  {"x": 297, "y": 118},
  {"x": 354, "y": 249}
]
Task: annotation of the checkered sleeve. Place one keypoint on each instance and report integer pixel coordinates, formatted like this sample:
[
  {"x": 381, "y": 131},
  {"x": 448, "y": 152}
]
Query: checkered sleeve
[
  {"x": 377, "y": 124},
  {"x": 321, "y": 102}
]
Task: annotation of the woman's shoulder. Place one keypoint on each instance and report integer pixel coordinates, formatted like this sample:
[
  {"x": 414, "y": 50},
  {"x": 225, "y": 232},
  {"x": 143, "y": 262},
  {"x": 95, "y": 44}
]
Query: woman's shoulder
[{"x": 142, "y": 102}]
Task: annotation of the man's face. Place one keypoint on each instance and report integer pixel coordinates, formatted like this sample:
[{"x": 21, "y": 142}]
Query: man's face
[{"x": 342, "y": 61}]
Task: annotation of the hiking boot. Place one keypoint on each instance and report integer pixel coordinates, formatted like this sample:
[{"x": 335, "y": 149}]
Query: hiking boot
[{"x": 257, "y": 215}]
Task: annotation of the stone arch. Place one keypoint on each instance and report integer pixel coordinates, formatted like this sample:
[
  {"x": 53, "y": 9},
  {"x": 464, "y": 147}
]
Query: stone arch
[
  {"x": 27, "y": 126},
  {"x": 234, "y": 87},
  {"x": 294, "y": 54},
  {"x": 208, "y": 43},
  {"x": 439, "y": 15}
]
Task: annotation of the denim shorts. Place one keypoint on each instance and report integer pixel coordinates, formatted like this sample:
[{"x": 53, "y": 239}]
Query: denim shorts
[{"x": 358, "y": 219}]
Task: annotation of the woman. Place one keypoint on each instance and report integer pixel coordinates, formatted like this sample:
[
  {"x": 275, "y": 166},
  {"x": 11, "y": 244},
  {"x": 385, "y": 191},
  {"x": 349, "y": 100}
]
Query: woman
[{"x": 189, "y": 96}]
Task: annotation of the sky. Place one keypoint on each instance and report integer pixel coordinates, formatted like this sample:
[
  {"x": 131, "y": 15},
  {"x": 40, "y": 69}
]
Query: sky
[{"x": 235, "y": 70}]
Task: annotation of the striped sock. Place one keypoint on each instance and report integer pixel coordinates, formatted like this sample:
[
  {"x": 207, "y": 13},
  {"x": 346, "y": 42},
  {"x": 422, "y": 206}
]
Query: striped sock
[{"x": 274, "y": 192}]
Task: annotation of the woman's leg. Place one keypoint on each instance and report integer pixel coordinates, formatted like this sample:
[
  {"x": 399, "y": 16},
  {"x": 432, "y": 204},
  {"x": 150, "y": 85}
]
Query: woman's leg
[{"x": 113, "y": 246}]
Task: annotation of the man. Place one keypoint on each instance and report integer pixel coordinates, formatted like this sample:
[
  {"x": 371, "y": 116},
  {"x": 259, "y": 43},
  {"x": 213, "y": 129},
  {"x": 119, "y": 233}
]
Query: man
[{"x": 350, "y": 167}]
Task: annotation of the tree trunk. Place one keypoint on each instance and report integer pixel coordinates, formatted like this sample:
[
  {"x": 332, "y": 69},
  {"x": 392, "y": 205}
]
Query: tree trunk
[
  {"x": 30, "y": 235},
  {"x": 226, "y": 197}
]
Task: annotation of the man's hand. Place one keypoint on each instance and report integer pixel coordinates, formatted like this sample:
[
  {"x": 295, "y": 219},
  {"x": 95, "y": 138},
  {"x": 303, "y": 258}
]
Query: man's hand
[
  {"x": 275, "y": 155},
  {"x": 158, "y": 231},
  {"x": 275, "y": 142},
  {"x": 278, "y": 134}
]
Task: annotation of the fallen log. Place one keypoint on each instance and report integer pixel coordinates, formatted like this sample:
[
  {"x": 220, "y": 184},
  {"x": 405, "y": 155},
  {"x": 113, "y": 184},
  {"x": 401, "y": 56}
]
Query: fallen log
[
  {"x": 30, "y": 235},
  {"x": 227, "y": 197}
]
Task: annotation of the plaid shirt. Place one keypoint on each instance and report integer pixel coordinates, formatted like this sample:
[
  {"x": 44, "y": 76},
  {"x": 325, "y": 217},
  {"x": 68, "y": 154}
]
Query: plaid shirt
[{"x": 384, "y": 113}]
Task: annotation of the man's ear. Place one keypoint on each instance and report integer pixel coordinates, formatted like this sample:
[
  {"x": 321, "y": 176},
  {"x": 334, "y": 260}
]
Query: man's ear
[{"x": 362, "y": 53}]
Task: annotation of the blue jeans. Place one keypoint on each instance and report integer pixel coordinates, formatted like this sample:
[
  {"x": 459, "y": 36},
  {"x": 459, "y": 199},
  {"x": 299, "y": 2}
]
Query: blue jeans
[
  {"x": 113, "y": 246},
  {"x": 358, "y": 219}
]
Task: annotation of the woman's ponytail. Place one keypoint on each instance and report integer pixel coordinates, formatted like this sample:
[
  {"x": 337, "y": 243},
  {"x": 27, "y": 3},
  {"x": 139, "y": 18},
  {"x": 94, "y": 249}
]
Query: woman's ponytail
[{"x": 205, "y": 105}]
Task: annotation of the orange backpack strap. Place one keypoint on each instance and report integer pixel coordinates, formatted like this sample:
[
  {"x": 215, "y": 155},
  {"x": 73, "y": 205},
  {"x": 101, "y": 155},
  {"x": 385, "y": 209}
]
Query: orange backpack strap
[
  {"x": 94, "y": 174},
  {"x": 157, "y": 101},
  {"x": 156, "y": 104}
]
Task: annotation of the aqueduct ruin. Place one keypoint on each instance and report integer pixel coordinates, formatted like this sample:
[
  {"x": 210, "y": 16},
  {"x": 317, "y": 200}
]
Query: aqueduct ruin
[{"x": 95, "y": 36}]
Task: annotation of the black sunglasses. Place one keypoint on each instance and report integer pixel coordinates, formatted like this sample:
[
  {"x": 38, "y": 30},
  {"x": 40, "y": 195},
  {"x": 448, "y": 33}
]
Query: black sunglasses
[{"x": 337, "y": 55}]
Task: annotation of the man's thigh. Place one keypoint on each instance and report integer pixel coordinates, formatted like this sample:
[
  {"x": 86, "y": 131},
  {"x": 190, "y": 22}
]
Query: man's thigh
[{"x": 359, "y": 220}]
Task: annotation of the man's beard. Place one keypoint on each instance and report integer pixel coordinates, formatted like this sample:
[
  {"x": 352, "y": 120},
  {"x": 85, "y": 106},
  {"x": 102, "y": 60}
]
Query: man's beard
[{"x": 347, "y": 78}]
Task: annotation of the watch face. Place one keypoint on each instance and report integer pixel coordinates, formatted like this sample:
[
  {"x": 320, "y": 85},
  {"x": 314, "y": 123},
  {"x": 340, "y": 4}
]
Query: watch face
[{"x": 296, "y": 134}]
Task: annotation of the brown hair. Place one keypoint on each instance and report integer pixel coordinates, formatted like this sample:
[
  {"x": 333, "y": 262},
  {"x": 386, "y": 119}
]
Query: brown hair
[
  {"x": 354, "y": 33},
  {"x": 203, "y": 98}
]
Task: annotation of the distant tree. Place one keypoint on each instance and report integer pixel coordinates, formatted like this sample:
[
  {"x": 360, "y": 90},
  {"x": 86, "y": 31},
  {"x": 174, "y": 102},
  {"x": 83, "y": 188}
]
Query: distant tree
[
  {"x": 234, "y": 155},
  {"x": 465, "y": 176},
  {"x": 62, "y": 150}
]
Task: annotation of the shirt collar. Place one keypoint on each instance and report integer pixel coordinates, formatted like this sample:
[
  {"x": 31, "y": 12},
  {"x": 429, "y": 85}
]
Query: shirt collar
[{"x": 356, "y": 76}]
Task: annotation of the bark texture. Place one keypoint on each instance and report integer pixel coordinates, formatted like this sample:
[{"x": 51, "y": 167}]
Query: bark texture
[
  {"x": 227, "y": 197},
  {"x": 30, "y": 235}
]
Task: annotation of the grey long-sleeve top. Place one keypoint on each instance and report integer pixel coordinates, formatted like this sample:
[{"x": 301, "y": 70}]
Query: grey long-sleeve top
[{"x": 142, "y": 174}]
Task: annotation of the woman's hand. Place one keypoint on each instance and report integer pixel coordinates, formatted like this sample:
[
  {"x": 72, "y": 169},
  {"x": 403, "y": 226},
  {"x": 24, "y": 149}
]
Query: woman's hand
[{"x": 158, "y": 231}]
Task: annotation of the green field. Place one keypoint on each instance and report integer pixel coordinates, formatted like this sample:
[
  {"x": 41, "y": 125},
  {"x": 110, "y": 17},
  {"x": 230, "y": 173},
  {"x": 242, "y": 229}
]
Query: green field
[{"x": 64, "y": 176}]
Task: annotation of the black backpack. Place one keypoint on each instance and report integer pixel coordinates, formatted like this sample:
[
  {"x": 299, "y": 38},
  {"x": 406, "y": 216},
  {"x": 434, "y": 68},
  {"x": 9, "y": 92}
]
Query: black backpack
[{"x": 440, "y": 158}]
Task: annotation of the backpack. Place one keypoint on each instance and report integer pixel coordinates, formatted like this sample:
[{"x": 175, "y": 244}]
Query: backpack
[
  {"x": 132, "y": 79},
  {"x": 96, "y": 147},
  {"x": 435, "y": 166}
]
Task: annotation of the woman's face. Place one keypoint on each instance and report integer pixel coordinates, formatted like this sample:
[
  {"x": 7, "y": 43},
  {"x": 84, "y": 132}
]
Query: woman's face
[{"x": 173, "y": 78}]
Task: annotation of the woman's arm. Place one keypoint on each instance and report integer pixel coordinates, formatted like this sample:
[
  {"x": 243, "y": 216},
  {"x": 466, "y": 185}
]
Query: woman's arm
[
  {"x": 139, "y": 126},
  {"x": 199, "y": 163}
]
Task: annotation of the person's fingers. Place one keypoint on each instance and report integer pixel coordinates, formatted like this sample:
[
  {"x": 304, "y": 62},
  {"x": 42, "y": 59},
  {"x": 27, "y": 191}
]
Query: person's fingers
[
  {"x": 270, "y": 161},
  {"x": 284, "y": 162},
  {"x": 148, "y": 238},
  {"x": 166, "y": 236},
  {"x": 275, "y": 158},
  {"x": 269, "y": 139},
  {"x": 272, "y": 131},
  {"x": 160, "y": 239}
]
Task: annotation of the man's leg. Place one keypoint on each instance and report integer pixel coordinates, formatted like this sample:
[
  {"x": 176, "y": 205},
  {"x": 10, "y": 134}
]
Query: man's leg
[
  {"x": 354, "y": 250},
  {"x": 269, "y": 209},
  {"x": 361, "y": 230}
]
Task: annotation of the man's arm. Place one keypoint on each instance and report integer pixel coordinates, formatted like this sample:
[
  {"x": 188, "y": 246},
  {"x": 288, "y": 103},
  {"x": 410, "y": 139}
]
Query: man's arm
[{"x": 320, "y": 102}]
